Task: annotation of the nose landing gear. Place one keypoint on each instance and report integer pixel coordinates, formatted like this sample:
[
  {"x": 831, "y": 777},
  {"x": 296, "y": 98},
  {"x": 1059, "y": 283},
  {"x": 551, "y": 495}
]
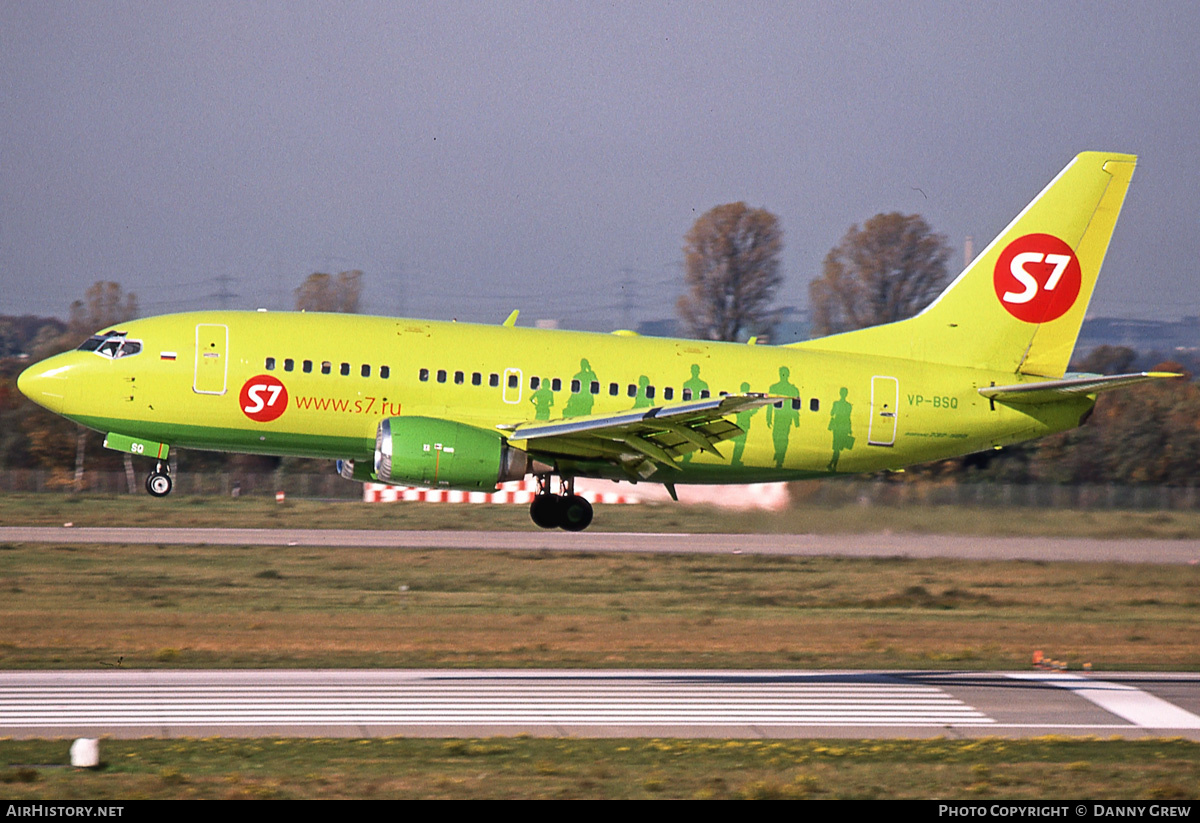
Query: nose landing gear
[
  {"x": 158, "y": 482},
  {"x": 566, "y": 511}
]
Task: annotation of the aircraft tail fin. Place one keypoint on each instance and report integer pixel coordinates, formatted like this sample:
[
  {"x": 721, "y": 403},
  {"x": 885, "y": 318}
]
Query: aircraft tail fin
[{"x": 1019, "y": 305}]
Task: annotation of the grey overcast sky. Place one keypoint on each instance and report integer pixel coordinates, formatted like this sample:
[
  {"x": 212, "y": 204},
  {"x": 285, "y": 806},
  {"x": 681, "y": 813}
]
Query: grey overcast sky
[{"x": 473, "y": 157}]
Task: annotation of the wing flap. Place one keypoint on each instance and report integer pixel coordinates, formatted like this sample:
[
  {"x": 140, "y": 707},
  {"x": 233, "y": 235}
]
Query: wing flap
[{"x": 660, "y": 434}]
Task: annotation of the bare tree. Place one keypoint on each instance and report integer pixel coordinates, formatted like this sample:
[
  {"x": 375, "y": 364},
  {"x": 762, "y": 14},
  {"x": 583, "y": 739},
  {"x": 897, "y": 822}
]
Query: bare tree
[
  {"x": 324, "y": 292},
  {"x": 888, "y": 270},
  {"x": 104, "y": 304},
  {"x": 731, "y": 256}
]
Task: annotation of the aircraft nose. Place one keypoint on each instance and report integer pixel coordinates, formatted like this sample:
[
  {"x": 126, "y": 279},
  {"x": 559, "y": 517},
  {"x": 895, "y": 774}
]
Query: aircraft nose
[{"x": 44, "y": 384}]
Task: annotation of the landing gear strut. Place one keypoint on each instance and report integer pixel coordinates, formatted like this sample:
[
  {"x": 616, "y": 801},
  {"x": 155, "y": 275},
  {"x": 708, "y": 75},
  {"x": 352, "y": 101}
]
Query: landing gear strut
[
  {"x": 566, "y": 510},
  {"x": 158, "y": 483}
]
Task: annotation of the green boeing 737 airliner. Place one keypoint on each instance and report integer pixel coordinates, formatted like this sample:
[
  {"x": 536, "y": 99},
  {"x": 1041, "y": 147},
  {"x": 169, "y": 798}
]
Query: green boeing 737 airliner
[{"x": 461, "y": 406}]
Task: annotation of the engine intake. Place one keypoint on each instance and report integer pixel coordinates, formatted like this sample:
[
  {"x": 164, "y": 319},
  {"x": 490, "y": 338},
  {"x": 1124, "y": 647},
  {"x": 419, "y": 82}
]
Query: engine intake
[{"x": 426, "y": 451}]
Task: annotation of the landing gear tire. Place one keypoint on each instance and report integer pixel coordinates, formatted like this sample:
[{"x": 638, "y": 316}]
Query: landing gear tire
[
  {"x": 576, "y": 513},
  {"x": 546, "y": 511},
  {"x": 158, "y": 484}
]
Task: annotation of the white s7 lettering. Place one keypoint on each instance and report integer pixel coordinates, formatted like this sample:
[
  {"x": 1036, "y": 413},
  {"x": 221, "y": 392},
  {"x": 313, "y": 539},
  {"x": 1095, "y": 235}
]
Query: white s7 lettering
[
  {"x": 252, "y": 393},
  {"x": 1017, "y": 267},
  {"x": 259, "y": 405},
  {"x": 1060, "y": 261}
]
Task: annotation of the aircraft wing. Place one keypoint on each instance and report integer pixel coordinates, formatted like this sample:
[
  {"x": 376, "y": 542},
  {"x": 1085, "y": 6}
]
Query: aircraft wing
[
  {"x": 1050, "y": 391},
  {"x": 643, "y": 440}
]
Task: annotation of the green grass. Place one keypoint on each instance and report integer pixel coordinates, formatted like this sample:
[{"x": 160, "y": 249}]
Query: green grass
[
  {"x": 800, "y": 518},
  {"x": 86, "y": 606},
  {"x": 523, "y": 767}
]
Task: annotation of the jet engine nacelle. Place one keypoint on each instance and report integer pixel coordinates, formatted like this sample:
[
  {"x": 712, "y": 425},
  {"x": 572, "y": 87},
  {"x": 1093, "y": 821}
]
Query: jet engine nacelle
[{"x": 441, "y": 454}]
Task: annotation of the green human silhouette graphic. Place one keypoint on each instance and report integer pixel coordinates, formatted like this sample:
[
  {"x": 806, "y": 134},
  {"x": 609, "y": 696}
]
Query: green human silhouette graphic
[
  {"x": 781, "y": 419},
  {"x": 839, "y": 424},
  {"x": 695, "y": 385},
  {"x": 580, "y": 402},
  {"x": 542, "y": 400},
  {"x": 642, "y": 401},
  {"x": 743, "y": 421}
]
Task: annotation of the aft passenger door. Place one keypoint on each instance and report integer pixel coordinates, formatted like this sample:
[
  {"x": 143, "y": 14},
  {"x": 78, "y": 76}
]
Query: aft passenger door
[
  {"x": 885, "y": 397},
  {"x": 212, "y": 342}
]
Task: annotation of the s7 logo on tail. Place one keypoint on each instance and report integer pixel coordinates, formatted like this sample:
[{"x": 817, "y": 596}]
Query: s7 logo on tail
[
  {"x": 263, "y": 398},
  {"x": 1037, "y": 278}
]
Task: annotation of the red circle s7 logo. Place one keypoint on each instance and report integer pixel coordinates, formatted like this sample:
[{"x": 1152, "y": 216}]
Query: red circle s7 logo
[
  {"x": 1037, "y": 278},
  {"x": 263, "y": 398}
]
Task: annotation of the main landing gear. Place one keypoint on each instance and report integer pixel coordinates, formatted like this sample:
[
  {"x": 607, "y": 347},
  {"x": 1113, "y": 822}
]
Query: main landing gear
[
  {"x": 565, "y": 511},
  {"x": 158, "y": 483}
]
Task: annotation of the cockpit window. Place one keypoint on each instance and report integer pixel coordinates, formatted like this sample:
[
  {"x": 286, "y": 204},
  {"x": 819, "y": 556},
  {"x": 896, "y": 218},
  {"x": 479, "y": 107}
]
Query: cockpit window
[{"x": 111, "y": 345}]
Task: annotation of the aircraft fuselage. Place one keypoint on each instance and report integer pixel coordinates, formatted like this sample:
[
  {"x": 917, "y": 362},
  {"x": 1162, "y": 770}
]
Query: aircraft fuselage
[{"x": 318, "y": 385}]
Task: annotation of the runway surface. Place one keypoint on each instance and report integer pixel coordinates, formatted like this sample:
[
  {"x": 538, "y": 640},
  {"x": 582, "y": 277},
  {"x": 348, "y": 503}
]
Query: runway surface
[
  {"x": 454, "y": 703},
  {"x": 857, "y": 545}
]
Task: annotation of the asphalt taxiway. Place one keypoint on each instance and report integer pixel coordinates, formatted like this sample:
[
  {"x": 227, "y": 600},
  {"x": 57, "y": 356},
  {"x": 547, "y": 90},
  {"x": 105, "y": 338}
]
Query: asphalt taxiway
[{"x": 842, "y": 545}]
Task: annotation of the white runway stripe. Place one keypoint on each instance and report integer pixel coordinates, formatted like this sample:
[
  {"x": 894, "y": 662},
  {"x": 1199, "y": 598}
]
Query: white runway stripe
[
  {"x": 437, "y": 701},
  {"x": 1133, "y": 704}
]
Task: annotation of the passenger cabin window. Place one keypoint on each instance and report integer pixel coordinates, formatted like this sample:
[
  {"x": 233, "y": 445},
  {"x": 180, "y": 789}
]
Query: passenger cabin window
[
  {"x": 326, "y": 367},
  {"x": 614, "y": 389},
  {"x": 385, "y": 372},
  {"x": 423, "y": 375},
  {"x": 556, "y": 384},
  {"x": 493, "y": 380},
  {"x": 458, "y": 378},
  {"x": 687, "y": 394},
  {"x": 345, "y": 370},
  {"x": 796, "y": 403},
  {"x": 513, "y": 381},
  {"x": 704, "y": 394},
  {"x": 575, "y": 387},
  {"x": 668, "y": 393},
  {"x": 270, "y": 364},
  {"x": 307, "y": 366},
  {"x": 814, "y": 405},
  {"x": 595, "y": 387},
  {"x": 476, "y": 379},
  {"x": 441, "y": 375},
  {"x": 650, "y": 392},
  {"x": 289, "y": 364},
  {"x": 534, "y": 382},
  {"x": 366, "y": 370}
]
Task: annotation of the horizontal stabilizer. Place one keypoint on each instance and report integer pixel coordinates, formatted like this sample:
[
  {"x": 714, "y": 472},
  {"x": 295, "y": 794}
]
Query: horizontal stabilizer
[{"x": 1050, "y": 391}]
